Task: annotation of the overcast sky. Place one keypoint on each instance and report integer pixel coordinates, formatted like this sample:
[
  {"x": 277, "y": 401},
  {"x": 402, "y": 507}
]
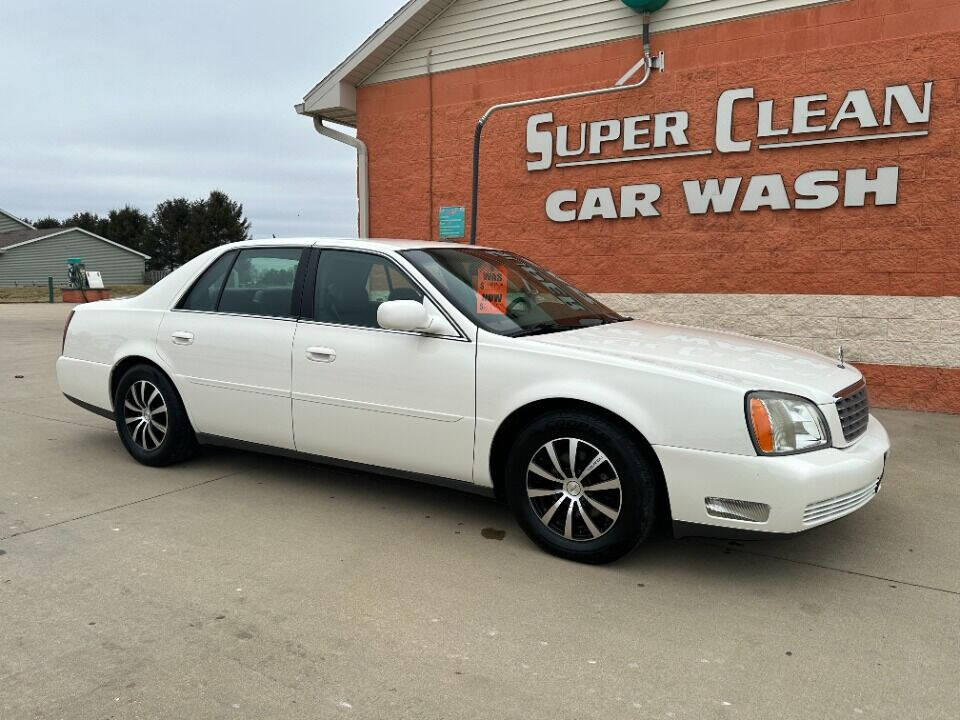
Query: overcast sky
[{"x": 112, "y": 103}]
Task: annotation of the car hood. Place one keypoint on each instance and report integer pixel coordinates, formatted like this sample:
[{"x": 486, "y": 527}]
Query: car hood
[{"x": 749, "y": 363}]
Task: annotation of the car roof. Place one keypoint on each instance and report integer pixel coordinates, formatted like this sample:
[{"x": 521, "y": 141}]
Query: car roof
[{"x": 364, "y": 244}]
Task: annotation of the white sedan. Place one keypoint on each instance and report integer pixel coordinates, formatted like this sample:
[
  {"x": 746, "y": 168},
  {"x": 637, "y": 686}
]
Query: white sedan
[{"x": 474, "y": 367}]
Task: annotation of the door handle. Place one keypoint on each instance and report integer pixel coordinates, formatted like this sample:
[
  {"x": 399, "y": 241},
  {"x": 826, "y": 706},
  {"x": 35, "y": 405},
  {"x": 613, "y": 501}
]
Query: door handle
[
  {"x": 321, "y": 354},
  {"x": 182, "y": 338}
]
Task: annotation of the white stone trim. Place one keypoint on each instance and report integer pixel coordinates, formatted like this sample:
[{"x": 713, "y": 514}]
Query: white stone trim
[{"x": 888, "y": 330}]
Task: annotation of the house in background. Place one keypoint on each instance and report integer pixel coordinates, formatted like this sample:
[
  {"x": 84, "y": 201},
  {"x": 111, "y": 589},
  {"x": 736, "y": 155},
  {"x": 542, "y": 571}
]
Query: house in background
[{"x": 29, "y": 256}]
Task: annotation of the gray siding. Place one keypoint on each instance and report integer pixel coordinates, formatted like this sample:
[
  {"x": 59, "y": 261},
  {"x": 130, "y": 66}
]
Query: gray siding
[
  {"x": 474, "y": 32},
  {"x": 8, "y": 223},
  {"x": 34, "y": 262}
]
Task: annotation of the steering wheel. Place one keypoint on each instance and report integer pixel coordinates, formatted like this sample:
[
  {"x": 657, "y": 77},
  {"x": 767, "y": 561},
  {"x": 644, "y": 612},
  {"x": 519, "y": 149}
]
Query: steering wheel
[{"x": 517, "y": 301}]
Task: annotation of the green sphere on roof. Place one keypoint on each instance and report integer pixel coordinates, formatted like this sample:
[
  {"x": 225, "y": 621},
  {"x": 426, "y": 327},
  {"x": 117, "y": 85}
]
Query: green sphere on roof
[{"x": 645, "y": 6}]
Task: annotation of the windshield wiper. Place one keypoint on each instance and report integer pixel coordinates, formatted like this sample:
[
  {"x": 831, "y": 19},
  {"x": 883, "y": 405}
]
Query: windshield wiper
[
  {"x": 542, "y": 329},
  {"x": 551, "y": 327}
]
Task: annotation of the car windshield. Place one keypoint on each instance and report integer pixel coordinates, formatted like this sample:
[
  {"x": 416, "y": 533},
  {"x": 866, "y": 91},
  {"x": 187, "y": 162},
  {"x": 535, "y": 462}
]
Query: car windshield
[{"x": 508, "y": 294}]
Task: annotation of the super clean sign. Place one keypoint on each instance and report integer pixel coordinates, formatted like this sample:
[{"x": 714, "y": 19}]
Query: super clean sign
[{"x": 663, "y": 135}]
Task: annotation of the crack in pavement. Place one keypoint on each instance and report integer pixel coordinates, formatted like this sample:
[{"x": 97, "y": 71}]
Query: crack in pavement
[
  {"x": 810, "y": 563},
  {"x": 122, "y": 505}
]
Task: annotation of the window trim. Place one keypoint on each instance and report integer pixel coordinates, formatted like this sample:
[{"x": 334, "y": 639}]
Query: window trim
[
  {"x": 310, "y": 289},
  {"x": 226, "y": 279},
  {"x": 306, "y": 253},
  {"x": 186, "y": 293}
]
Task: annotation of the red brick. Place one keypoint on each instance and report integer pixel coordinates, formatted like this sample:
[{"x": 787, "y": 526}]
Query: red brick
[
  {"x": 913, "y": 388},
  {"x": 910, "y": 249}
]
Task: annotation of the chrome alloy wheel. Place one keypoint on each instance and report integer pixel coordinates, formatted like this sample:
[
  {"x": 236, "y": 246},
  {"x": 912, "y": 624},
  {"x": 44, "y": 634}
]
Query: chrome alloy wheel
[
  {"x": 146, "y": 411},
  {"x": 574, "y": 489}
]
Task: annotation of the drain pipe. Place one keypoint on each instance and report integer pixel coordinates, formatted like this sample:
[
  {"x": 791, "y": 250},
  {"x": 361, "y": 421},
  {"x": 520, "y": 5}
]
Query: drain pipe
[
  {"x": 363, "y": 191},
  {"x": 647, "y": 62}
]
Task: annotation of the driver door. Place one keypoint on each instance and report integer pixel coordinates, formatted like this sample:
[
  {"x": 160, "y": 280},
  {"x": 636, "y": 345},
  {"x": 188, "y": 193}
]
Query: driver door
[{"x": 392, "y": 399}]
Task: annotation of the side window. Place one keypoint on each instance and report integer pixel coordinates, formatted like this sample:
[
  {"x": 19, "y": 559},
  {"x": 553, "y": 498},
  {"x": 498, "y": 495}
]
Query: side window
[
  {"x": 351, "y": 285},
  {"x": 261, "y": 282},
  {"x": 205, "y": 291},
  {"x": 401, "y": 287}
]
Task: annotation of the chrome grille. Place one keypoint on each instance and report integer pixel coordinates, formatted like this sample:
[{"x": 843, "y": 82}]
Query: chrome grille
[
  {"x": 840, "y": 505},
  {"x": 854, "y": 410}
]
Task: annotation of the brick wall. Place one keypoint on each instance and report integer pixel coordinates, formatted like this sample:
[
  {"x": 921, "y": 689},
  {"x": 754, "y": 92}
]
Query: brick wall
[{"x": 420, "y": 160}]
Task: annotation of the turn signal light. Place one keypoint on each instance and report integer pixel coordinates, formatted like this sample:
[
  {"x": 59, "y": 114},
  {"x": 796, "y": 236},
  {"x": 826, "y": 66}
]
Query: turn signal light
[
  {"x": 762, "y": 427},
  {"x": 783, "y": 424}
]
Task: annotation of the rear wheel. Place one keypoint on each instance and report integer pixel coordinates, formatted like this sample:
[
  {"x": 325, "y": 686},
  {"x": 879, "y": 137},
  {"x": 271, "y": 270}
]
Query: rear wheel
[
  {"x": 150, "y": 418},
  {"x": 580, "y": 487}
]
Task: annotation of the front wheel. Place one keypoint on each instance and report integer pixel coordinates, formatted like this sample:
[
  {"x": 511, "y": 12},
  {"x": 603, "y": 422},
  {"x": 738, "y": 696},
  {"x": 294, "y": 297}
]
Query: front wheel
[
  {"x": 150, "y": 417},
  {"x": 580, "y": 487}
]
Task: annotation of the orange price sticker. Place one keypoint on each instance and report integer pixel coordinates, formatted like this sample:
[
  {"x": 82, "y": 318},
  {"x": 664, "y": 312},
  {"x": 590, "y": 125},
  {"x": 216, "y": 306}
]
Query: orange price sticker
[{"x": 492, "y": 290}]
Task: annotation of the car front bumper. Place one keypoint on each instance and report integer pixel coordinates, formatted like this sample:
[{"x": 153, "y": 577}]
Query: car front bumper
[{"x": 802, "y": 491}]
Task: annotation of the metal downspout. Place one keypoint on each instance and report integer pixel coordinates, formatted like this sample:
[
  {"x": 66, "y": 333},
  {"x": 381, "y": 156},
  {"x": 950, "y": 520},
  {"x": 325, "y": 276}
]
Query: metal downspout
[
  {"x": 363, "y": 190},
  {"x": 646, "y": 61},
  {"x": 429, "y": 145}
]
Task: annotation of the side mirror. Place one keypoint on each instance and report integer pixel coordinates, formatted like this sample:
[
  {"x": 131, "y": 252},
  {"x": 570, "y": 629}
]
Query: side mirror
[{"x": 406, "y": 315}]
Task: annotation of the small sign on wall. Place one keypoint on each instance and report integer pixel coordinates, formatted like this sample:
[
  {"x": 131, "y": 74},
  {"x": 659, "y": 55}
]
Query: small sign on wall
[{"x": 451, "y": 220}]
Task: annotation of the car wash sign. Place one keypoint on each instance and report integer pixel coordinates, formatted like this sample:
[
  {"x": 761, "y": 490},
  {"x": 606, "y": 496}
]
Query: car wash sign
[{"x": 814, "y": 122}]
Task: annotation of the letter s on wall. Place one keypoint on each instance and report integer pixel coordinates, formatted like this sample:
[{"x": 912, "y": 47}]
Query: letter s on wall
[{"x": 539, "y": 142}]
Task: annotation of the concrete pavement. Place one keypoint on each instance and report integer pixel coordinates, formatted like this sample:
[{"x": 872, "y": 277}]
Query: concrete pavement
[{"x": 245, "y": 586}]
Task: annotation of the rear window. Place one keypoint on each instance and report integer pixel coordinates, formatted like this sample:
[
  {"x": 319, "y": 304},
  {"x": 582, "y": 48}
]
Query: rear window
[
  {"x": 205, "y": 292},
  {"x": 261, "y": 282}
]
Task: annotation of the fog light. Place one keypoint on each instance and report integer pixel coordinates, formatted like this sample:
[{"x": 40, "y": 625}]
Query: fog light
[{"x": 737, "y": 509}]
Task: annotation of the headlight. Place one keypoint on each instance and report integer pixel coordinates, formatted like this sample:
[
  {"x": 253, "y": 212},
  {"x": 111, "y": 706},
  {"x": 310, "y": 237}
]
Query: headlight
[{"x": 782, "y": 424}]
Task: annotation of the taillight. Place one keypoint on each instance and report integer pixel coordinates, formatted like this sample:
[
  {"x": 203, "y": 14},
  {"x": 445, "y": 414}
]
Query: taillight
[{"x": 63, "y": 344}]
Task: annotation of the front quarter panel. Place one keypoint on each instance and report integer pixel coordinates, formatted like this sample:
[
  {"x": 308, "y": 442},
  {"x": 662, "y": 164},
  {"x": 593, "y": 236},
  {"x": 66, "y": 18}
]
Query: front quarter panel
[{"x": 669, "y": 407}]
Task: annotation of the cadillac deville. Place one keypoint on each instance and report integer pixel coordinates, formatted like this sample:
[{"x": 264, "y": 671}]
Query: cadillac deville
[{"x": 477, "y": 368}]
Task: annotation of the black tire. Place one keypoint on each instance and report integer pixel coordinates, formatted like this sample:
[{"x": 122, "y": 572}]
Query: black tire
[
  {"x": 141, "y": 435},
  {"x": 625, "y": 464}
]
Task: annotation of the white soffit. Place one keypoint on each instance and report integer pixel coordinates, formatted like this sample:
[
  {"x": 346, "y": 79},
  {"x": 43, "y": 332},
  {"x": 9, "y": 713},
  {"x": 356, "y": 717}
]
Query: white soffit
[
  {"x": 466, "y": 33},
  {"x": 334, "y": 97}
]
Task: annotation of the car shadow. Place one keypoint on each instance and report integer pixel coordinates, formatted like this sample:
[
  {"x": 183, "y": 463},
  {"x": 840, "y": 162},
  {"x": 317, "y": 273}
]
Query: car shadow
[{"x": 747, "y": 563}]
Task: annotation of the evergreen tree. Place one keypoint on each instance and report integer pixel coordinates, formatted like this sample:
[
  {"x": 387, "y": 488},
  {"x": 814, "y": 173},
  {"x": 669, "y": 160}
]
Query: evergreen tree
[
  {"x": 91, "y": 222},
  {"x": 216, "y": 221},
  {"x": 170, "y": 225},
  {"x": 177, "y": 231},
  {"x": 129, "y": 227}
]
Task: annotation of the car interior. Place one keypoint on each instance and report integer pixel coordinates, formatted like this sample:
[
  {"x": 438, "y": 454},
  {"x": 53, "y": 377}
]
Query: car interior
[{"x": 352, "y": 285}]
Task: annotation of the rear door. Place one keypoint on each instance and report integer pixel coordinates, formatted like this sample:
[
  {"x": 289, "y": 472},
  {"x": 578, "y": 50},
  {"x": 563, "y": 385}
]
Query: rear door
[
  {"x": 401, "y": 400},
  {"x": 228, "y": 342}
]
